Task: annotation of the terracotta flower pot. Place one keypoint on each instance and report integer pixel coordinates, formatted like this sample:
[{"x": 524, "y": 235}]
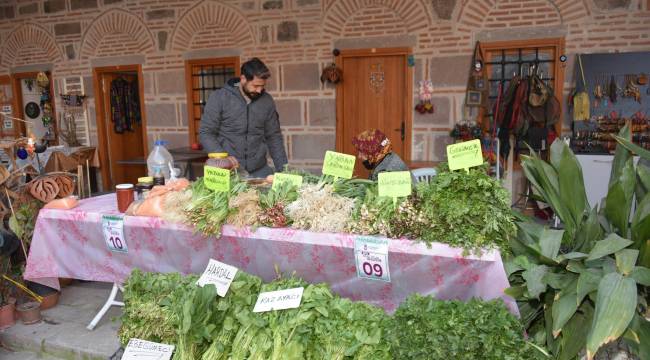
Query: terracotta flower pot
[
  {"x": 50, "y": 301},
  {"x": 30, "y": 312},
  {"x": 7, "y": 314}
]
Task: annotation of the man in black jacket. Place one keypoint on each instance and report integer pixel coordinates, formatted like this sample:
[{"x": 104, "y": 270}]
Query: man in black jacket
[{"x": 241, "y": 119}]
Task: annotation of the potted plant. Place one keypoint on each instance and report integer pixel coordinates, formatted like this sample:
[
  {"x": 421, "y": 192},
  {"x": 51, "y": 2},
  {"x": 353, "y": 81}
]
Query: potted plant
[
  {"x": 8, "y": 245},
  {"x": 587, "y": 284}
]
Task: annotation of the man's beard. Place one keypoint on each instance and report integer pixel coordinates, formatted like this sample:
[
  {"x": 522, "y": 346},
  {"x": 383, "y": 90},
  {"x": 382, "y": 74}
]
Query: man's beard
[{"x": 251, "y": 95}]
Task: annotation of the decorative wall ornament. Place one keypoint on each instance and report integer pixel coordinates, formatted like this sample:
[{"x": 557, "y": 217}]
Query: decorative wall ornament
[
  {"x": 377, "y": 78},
  {"x": 331, "y": 74}
]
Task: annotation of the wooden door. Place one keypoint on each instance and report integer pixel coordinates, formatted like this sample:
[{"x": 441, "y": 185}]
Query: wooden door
[
  {"x": 375, "y": 93},
  {"x": 122, "y": 146}
]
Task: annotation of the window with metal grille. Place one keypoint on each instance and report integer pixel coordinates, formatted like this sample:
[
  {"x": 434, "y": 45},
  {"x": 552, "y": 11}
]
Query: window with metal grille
[
  {"x": 204, "y": 77},
  {"x": 506, "y": 59}
]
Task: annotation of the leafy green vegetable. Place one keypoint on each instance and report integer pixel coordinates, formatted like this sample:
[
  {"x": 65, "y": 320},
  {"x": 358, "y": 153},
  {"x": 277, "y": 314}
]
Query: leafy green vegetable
[
  {"x": 468, "y": 210},
  {"x": 426, "y": 328}
]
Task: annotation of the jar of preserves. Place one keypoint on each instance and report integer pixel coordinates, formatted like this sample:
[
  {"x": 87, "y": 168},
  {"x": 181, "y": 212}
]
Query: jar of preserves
[
  {"x": 220, "y": 160},
  {"x": 144, "y": 185}
]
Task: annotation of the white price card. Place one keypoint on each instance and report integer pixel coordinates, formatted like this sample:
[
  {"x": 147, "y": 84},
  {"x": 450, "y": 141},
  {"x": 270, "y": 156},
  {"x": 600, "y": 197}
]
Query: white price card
[
  {"x": 113, "y": 230},
  {"x": 146, "y": 350},
  {"x": 218, "y": 274},
  {"x": 371, "y": 257},
  {"x": 279, "y": 300}
]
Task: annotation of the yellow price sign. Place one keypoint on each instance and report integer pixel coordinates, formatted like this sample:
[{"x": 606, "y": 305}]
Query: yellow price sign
[
  {"x": 216, "y": 179},
  {"x": 281, "y": 178},
  {"x": 464, "y": 155},
  {"x": 395, "y": 184},
  {"x": 339, "y": 165}
]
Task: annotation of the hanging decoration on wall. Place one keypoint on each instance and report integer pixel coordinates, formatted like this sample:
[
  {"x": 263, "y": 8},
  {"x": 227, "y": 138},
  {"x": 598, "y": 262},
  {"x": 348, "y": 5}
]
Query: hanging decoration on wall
[
  {"x": 477, "y": 84},
  {"x": 73, "y": 100},
  {"x": 331, "y": 74},
  {"x": 377, "y": 78},
  {"x": 42, "y": 80},
  {"x": 30, "y": 84},
  {"x": 425, "y": 92},
  {"x": 410, "y": 60},
  {"x": 32, "y": 110}
]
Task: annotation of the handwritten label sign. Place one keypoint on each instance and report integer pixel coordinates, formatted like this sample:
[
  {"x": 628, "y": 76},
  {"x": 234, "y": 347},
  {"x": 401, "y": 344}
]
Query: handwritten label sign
[
  {"x": 371, "y": 256},
  {"x": 142, "y": 349},
  {"x": 113, "y": 230},
  {"x": 216, "y": 179},
  {"x": 279, "y": 300},
  {"x": 281, "y": 178},
  {"x": 339, "y": 165},
  {"x": 218, "y": 274},
  {"x": 464, "y": 155},
  {"x": 395, "y": 184}
]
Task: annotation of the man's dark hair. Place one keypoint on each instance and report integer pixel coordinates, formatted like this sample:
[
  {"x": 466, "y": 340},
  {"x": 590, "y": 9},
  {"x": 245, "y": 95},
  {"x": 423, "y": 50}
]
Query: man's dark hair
[{"x": 255, "y": 67}]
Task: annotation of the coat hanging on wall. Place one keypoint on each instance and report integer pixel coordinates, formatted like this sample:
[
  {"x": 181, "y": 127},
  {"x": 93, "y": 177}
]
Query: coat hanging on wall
[{"x": 125, "y": 105}]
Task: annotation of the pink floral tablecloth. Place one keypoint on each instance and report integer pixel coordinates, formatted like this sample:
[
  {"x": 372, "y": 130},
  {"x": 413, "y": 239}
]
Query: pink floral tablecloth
[{"x": 69, "y": 243}]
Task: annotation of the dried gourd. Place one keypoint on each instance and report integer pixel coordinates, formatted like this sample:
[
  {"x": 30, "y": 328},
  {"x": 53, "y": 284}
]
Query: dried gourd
[
  {"x": 44, "y": 189},
  {"x": 66, "y": 185}
]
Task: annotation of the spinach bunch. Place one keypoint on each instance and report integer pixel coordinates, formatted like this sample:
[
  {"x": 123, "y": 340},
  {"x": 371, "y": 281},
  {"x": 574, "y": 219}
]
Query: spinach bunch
[
  {"x": 466, "y": 209},
  {"x": 426, "y": 328}
]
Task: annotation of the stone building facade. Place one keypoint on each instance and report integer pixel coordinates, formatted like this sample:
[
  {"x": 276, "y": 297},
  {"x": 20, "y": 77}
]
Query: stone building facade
[{"x": 295, "y": 38}]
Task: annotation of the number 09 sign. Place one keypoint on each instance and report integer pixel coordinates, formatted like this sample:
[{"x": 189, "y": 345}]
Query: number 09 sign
[
  {"x": 113, "y": 230},
  {"x": 371, "y": 257}
]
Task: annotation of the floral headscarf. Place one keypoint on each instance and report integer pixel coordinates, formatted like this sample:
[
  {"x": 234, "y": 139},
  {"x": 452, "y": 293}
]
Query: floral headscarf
[{"x": 372, "y": 145}]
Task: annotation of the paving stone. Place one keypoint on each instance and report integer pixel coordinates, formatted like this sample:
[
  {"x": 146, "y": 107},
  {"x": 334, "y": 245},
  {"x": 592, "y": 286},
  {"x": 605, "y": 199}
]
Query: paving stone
[
  {"x": 67, "y": 29},
  {"x": 288, "y": 31},
  {"x": 322, "y": 112},
  {"x": 52, "y": 6},
  {"x": 171, "y": 82},
  {"x": 450, "y": 71},
  {"x": 160, "y": 14},
  {"x": 289, "y": 111},
  {"x": 301, "y": 77},
  {"x": 28, "y": 9},
  {"x": 160, "y": 114},
  {"x": 311, "y": 146},
  {"x": 82, "y": 4}
]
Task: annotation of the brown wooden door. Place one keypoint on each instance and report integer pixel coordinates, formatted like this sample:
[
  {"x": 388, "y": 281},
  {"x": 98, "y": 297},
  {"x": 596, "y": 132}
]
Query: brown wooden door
[
  {"x": 121, "y": 146},
  {"x": 374, "y": 93}
]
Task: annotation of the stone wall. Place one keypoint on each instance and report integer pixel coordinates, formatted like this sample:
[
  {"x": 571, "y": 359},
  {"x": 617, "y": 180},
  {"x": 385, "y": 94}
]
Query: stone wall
[{"x": 295, "y": 38}]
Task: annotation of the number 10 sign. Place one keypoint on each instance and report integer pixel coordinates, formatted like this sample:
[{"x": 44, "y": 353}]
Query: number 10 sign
[
  {"x": 371, "y": 256},
  {"x": 113, "y": 230}
]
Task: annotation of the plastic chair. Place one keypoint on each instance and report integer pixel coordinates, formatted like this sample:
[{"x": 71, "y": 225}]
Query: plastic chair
[{"x": 424, "y": 174}]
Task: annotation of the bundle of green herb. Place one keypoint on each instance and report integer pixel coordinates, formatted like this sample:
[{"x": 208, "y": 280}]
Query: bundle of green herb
[
  {"x": 208, "y": 210},
  {"x": 468, "y": 210},
  {"x": 273, "y": 204},
  {"x": 150, "y": 301},
  {"x": 426, "y": 328},
  {"x": 319, "y": 209}
]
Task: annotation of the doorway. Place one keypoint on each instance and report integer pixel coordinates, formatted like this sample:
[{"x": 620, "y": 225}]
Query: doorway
[
  {"x": 35, "y": 104},
  {"x": 121, "y": 123},
  {"x": 376, "y": 92}
]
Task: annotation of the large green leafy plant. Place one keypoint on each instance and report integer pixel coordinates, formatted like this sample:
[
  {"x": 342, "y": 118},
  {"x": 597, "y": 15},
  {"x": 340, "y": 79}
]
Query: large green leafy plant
[{"x": 585, "y": 285}]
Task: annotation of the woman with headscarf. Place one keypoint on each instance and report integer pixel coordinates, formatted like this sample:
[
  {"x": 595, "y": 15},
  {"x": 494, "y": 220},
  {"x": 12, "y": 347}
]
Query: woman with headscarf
[{"x": 376, "y": 152}]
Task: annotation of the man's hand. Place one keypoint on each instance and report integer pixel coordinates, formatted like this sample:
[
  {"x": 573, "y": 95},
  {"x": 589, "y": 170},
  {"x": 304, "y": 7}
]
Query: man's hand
[{"x": 233, "y": 160}]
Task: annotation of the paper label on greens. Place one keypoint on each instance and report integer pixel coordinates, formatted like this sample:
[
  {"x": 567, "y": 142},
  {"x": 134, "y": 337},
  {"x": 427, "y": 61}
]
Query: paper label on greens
[
  {"x": 113, "y": 231},
  {"x": 339, "y": 165},
  {"x": 280, "y": 178},
  {"x": 395, "y": 184},
  {"x": 147, "y": 350},
  {"x": 371, "y": 257},
  {"x": 218, "y": 274},
  {"x": 216, "y": 179},
  {"x": 279, "y": 300},
  {"x": 464, "y": 155}
]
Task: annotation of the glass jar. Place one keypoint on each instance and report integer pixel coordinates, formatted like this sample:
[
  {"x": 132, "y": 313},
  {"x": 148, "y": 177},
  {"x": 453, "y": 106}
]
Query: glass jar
[
  {"x": 220, "y": 160},
  {"x": 144, "y": 185}
]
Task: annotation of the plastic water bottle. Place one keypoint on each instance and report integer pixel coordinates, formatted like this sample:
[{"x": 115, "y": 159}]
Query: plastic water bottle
[{"x": 159, "y": 160}]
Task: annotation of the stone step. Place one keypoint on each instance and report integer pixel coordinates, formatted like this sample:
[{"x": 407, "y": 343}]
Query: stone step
[
  {"x": 63, "y": 333},
  {"x": 6, "y": 354}
]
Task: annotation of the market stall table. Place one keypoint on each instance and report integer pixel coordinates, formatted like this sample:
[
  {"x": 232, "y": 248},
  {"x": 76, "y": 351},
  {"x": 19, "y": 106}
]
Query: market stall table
[{"x": 70, "y": 243}]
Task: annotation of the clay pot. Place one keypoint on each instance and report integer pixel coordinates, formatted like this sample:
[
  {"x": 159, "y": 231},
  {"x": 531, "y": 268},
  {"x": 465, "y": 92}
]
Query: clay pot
[
  {"x": 29, "y": 312},
  {"x": 63, "y": 282},
  {"x": 7, "y": 314},
  {"x": 50, "y": 301}
]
